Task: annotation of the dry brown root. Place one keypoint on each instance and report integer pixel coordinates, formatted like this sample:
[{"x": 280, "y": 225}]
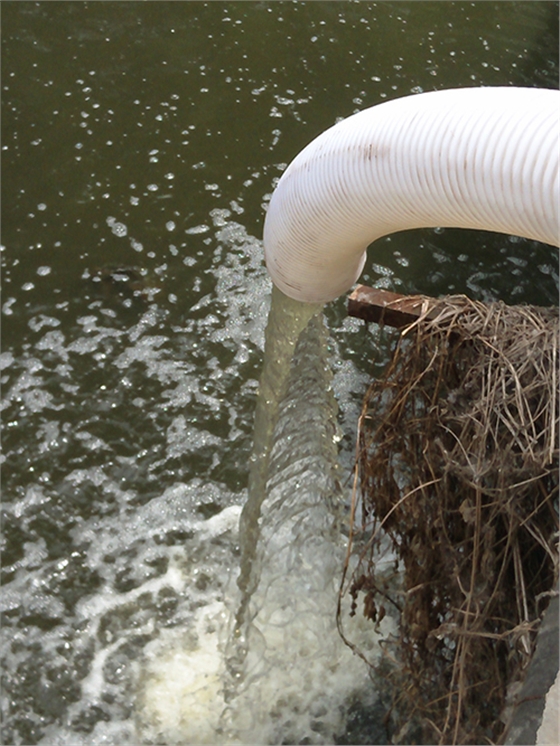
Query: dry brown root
[{"x": 458, "y": 465}]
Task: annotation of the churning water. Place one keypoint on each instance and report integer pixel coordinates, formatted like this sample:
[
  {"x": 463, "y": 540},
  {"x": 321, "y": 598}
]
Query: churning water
[
  {"x": 283, "y": 674},
  {"x": 131, "y": 620},
  {"x": 164, "y": 646},
  {"x": 140, "y": 144},
  {"x": 138, "y": 629}
]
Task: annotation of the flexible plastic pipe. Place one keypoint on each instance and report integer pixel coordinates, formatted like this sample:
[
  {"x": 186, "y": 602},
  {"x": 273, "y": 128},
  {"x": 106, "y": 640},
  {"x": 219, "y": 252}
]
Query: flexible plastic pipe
[{"x": 482, "y": 158}]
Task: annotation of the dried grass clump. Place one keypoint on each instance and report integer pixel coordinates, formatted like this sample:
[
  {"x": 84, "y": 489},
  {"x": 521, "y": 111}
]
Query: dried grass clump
[{"x": 458, "y": 464}]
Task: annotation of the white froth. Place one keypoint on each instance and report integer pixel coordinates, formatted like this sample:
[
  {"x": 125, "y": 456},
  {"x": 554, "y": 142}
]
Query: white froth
[{"x": 182, "y": 698}]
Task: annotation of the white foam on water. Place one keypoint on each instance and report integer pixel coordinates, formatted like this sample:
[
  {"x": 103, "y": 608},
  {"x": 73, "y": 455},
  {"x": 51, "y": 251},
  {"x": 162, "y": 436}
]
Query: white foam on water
[
  {"x": 300, "y": 681},
  {"x": 181, "y": 697}
]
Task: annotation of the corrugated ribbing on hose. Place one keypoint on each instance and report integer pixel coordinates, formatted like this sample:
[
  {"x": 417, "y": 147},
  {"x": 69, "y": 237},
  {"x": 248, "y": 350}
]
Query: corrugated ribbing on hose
[{"x": 480, "y": 158}]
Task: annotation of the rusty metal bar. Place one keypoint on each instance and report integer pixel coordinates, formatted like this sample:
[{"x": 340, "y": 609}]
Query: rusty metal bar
[{"x": 384, "y": 307}]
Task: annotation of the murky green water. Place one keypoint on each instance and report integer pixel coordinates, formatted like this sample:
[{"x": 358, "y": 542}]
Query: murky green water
[{"x": 146, "y": 137}]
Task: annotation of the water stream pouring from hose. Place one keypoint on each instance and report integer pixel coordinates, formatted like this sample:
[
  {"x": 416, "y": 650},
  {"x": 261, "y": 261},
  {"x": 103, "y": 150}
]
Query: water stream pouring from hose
[
  {"x": 286, "y": 322},
  {"x": 285, "y": 653},
  {"x": 271, "y": 667}
]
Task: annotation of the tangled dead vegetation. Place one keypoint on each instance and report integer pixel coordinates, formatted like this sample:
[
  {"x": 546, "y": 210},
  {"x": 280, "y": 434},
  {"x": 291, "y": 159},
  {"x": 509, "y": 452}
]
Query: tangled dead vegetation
[{"x": 457, "y": 465}]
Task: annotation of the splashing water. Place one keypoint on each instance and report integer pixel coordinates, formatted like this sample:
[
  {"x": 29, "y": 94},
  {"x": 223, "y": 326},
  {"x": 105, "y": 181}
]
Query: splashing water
[
  {"x": 274, "y": 669},
  {"x": 126, "y": 593}
]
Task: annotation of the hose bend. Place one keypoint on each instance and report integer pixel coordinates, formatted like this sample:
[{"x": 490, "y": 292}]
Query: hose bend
[{"x": 482, "y": 158}]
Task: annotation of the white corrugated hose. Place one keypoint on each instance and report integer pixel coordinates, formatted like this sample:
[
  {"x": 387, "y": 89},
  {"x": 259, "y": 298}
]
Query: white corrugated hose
[{"x": 482, "y": 158}]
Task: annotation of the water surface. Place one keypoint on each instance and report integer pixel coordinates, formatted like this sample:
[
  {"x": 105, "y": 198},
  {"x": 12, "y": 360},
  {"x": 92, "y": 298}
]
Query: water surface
[{"x": 141, "y": 143}]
